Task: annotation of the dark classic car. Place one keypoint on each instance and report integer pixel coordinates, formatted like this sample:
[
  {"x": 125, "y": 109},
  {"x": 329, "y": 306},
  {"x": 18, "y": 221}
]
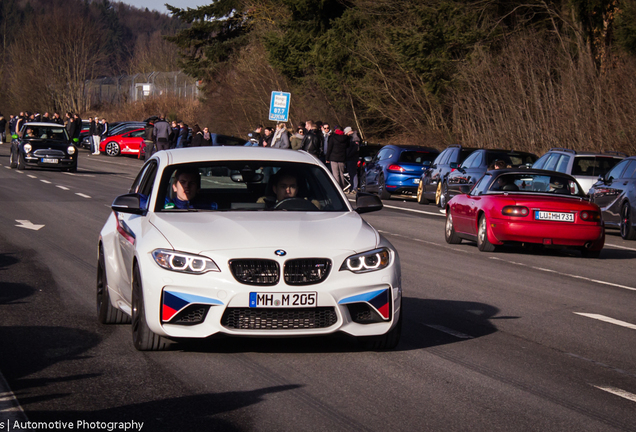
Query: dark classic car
[{"x": 43, "y": 145}]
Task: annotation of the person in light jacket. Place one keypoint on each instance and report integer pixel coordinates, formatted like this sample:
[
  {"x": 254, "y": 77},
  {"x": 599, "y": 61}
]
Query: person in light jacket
[{"x": 281, "y": 137}]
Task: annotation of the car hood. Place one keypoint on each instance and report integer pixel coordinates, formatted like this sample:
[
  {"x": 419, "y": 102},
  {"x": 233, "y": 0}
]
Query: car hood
[{"x": 319, "y": 231}]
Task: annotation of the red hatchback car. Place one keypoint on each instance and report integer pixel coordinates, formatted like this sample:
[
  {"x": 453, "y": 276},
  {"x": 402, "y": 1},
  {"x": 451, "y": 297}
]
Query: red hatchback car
[
  {"x": 126, "y": 143},
  {"x": 526, "y": 206}
]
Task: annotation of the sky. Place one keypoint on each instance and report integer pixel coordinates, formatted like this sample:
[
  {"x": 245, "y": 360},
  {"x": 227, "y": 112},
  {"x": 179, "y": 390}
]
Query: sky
[{"x": 159, "y": 5}]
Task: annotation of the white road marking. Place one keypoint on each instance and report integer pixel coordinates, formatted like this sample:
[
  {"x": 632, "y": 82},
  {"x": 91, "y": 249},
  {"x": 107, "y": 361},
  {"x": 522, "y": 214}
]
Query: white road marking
[
  {"x": 74, "y": 174},
  {"x": 28, "y": 225},
  {"x": 62, "y": 187},
  {"x": 9, "y": 405},
  {"x": 7, "y": 167},
  {"x": 449, "y": 331},
  {"x": 82, "y": 195},
  {"x": 45, "y": 181},
  {"x": 618, "y": 392},
  {"x": 567, "y": 274},
  {"x": 19, "y": 172},
  {"x": 608, "y": 320},
  {"x": 413, "y": 210},
  {"x": 619, "y": 247},
  {"x": 31, "y": 176}
]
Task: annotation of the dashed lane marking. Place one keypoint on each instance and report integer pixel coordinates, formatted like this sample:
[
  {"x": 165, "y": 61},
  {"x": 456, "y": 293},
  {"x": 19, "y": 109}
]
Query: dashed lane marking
[
  {"x": 566, "y": 274},
  {"x": 413, "y": 210},
  {"x": 62, "y": 187},
  {"x": 82, "y": 195},
  {"x": 608, "y": 320},
  {"x": 618, "y": 392},
  {"x": 31, "y": 176},
  {"x": 45, "y": 181},
  {"x": 7, "y": 167}
]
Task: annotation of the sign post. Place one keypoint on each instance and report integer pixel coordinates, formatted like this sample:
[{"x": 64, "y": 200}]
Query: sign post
[{"x": 279, "y": 106}]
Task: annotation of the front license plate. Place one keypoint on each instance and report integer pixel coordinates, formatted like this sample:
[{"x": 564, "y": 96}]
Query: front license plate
[
  {"x": 553, "y": 216},
  {"x": 285, "y": 300},
  {"x": 416, "y": 181},
  {"x": 45, "y": 160}
]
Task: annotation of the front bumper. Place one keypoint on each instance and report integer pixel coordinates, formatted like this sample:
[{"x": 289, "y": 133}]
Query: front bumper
[
  {"x": 197, "y": 306},
  {"x": 65, "y": 162}
]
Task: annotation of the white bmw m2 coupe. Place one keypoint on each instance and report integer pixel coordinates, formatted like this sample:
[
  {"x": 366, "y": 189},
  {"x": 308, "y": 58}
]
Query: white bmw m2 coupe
[{"x": 245, "y": 241}]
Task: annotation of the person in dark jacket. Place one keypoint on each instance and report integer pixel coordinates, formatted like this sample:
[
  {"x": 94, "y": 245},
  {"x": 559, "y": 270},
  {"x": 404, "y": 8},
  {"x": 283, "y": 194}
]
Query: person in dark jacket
[
  {"x": 149, "y": 141},
  {"x": 162, "y": 133},
  {"x": 78, "y": 127},
  {"x": 353, "y": 154},
  {"x": 197, "y": 136},
  {"x": 174, "y": 135},
  {"x": 70, "y": 125},
  {"x": 3, "y": 127},
  {"x": 182, "y": 141},
  {"x": 207, "y": 138},
  {"x": 336, "y": 154},
  {"x": 312, "y": 143},
  {"x": 266, "y": 141}
]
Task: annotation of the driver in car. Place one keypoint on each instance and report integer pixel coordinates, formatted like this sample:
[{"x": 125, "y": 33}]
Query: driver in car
[
  {"x": 186, "y": 186},
  {"x": 284, "y": 186}
]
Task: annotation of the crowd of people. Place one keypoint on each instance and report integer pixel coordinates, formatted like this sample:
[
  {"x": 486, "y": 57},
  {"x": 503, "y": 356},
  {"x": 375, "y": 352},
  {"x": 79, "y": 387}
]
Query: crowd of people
[
  {"x": 338, "y": 148},
  {"x": 159, "y": 134}
]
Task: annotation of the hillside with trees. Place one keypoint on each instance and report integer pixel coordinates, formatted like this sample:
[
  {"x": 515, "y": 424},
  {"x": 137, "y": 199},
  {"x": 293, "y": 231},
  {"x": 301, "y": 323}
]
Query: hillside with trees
[{"x": 499, "y": 73}]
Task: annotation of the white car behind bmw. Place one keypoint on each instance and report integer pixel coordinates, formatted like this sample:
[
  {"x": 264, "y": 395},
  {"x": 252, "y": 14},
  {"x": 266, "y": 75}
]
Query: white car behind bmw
[{"x": 245, "y": 241}]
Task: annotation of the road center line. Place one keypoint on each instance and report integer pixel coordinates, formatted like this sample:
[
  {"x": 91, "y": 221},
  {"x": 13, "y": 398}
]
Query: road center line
[
  {"x": 607, "y": 320},
  {"x": 62, "y": 187},
  {"x": 31, "y": 176},
  {"x": 82, "y": 195},
  {"x": 45, "y": 181},
  {"x": 566, "y": 274},
  {"x": 617, "y": 392},
  {"x": 7, "y": 167}
]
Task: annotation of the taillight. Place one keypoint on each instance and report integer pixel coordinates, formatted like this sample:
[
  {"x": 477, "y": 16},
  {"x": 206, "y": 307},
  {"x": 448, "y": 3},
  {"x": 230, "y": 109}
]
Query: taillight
[
  {"x": 394, "y": 167},
  {"x": 453, "y": 169},
  {"x": 590, "y": 216},
  {"x": 515, "y": 211}
]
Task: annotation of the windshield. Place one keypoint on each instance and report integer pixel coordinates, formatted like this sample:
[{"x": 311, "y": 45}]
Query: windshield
[
  {"x": 44, "y": 132},
  {"x": 513, "y": 159},
  {"x": 248, "y": 186},
  {"x": 418, "y": 157},
  {"x": 593, "y": 165},
  {"x": 533, "y": 183}
]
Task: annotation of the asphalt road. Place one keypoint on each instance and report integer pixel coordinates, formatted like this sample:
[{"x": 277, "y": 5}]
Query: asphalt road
[{"x": 510, "y": 341}]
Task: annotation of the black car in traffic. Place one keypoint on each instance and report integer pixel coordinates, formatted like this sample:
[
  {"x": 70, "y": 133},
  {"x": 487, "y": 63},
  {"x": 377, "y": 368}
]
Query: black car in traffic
[
  {"x": 45, "y": 145},
  {"x": 430, "y": 187},
  {"x": 476, "y": 165},
  {"x": 615, "y": 194}
]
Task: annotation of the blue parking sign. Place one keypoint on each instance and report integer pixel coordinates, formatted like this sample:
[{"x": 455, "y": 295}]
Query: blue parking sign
[{"x": 279, "y": 106}]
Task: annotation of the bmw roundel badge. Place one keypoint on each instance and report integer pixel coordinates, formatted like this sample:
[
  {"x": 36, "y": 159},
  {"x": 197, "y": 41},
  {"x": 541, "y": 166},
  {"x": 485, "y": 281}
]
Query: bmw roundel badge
[{"x": 280, "y": 252}]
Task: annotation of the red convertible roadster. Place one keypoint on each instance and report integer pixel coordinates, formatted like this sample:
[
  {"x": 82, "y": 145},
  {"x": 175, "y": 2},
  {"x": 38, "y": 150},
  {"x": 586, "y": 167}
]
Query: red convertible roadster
[{"x": 526, "y": 206}]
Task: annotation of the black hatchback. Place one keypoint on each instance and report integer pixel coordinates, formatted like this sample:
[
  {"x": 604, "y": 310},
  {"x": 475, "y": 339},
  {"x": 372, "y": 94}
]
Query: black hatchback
[
  {"x": 43, "y": 145},
  {"x": 476, "y": 166},
  {"x": 615, "y": 194}
]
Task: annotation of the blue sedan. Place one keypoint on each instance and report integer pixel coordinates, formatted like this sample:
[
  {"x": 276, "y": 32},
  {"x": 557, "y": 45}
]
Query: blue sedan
[{"x": 396, "y": 170}]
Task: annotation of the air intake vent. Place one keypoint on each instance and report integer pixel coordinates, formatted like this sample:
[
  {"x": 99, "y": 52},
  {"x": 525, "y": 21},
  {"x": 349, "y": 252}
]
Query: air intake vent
[
  {"x": 306, "y": 271},
  {"x": 279, "y": 319},
  {"x": 255, "y": 271}
]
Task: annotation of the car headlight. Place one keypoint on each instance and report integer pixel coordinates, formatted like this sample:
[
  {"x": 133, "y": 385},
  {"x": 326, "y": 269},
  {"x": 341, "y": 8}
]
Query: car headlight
[
  {"x": 27, "y": 148},
  {"x": 70, "y": 150},
  {"x": 183, "y": 262},
  {"x": 376, "y": 259}
]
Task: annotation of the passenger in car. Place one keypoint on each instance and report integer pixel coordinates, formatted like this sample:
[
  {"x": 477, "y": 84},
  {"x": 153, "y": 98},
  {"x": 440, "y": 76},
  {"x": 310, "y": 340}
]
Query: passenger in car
[
  {"x": 285, "y": 185},
  {"x": 185, "y": 188}
]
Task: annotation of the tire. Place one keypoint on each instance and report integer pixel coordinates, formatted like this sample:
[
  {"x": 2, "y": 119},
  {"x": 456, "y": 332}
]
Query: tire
[
  {"x": 420, "y": 194},
  {"x": 143, "y": 338},
  {"x": 12, "y": 162},
  {"x": 382, "y": 193},
  {"x": 106, "y": 313},
  {"x": 627, "y": 230},
  {"x": 73, "y": 168},
  {"x": 443, "y": 198},
  {"x": 449, "y": 230},
  {"x": 483, "y": 244},
  {"x": 112, "y": 149},
  {"x": 21, "y": 163},
  {"x": 387, "y": 341},
  {"x": 438, "y": 194}
]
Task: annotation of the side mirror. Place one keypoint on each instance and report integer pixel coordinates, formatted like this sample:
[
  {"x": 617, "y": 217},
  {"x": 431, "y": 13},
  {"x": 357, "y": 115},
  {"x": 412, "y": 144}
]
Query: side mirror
[
  {"x": 465, "y": 189},
  {"x": 368, "y": 159},
  {"x": 601, "y": 178},
  {"x": 454, "y": 165},
  {"x": 129, "y": 203},
  {"x": 366, "y": 202},
  {"x": 427, "y": 164}
]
